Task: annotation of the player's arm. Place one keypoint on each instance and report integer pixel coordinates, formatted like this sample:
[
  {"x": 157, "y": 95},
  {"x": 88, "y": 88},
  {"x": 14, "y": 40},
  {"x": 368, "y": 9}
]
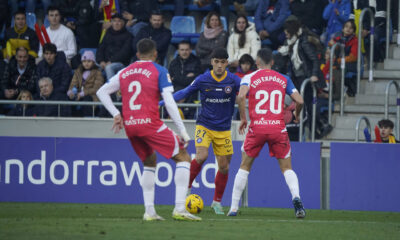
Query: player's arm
[
  {"x": 104, "y": 95},
  {"x": 241, "y": 99},
  {"x": 173, "y": 112},
  {"x": 183, "y": 93},
  {"x": 296, "y": 97}
]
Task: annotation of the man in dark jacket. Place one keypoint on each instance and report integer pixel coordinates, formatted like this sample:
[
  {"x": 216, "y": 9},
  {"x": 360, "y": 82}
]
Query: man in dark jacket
[
  {"x": 20, "y": 74},
  {"x": 137, "y": 13},
  {"x": 55, "y": 66},
  {"x": 156, "y": 32},
  {"x": 115, "y": 52},
  {"x": 269, "y": 18},
  {"x": 309, "y": 12},
  {"x": 20, "y": 35},
  {"x": 47, "y": 93},
  {"x": 183, "y": 70}
]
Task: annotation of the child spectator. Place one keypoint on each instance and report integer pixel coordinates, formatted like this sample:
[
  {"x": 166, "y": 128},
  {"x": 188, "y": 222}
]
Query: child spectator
[
  {"x": 86, "y": 81},
  {"x": 336, "y": 13},
  {"x": 349, "y": 39},
  {"x": 246, "y": 65},
  {"x": 385, "y": 132},
  {"x": 23, "y": 109}
]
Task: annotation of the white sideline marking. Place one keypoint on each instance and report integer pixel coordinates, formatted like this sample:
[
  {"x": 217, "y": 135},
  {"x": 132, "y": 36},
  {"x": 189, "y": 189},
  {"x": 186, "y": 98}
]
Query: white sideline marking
[{"x": 299, "y": 221}]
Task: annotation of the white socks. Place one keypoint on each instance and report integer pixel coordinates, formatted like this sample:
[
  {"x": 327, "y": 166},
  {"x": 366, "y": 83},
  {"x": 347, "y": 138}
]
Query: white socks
[
  {"x": 238, "y": 187},
  {"x": 292, "y": 182},
  {"x": 148, "y": 183},
  {"x": 182, "y": 174}
]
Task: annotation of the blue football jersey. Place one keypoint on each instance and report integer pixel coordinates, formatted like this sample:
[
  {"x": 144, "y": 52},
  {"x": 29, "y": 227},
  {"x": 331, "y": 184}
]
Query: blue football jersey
[{"x": 217, "y": 95}]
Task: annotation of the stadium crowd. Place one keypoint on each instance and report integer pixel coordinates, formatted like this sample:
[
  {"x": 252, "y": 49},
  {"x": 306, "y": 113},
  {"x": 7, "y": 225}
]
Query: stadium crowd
[{"x": 90, "y": 41}]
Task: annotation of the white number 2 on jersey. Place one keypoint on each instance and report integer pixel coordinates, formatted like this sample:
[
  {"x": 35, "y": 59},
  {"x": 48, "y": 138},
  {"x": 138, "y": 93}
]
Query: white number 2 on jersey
[
  {"x": 138, "y": 88},
  {"x": 263, "y": 95}
]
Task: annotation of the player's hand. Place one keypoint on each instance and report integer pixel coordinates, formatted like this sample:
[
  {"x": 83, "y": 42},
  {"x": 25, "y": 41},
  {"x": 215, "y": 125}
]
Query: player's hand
[
  {"x": 314, "y": 79},
  {"x": 118, "y": 124},
  {"x": 296, "y": 117},
  {"x": 242, "y": 126},
  {"x": 185, "y": 137}
]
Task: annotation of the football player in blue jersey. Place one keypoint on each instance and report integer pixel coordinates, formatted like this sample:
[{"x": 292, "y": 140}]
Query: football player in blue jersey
[{"x": 218, "y": 89}]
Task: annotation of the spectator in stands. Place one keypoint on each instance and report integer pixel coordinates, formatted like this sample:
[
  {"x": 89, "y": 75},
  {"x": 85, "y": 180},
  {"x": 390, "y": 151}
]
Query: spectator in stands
[
  {"x": 158, "y": 33},
  {"x": 114, "y": 52},
  {"x": 78, "y": 15},
  {"x": 337, "y": 12},
  {"x": 349, "y": 39},
  {"x": 184, "y": 68},
  {"x": 225, "y": 8},
  {"x": 86, "y": 81},
  {"x": 137, "y": 13},
  {"x": 54, "y": 66},
  {"x": 60, "y": 35},
  {"x": 246, "y": 65},
  {"x": 47, "y": 93},
  {"x": 309, "y": 13},
  {"x": 23, "y": 109},
  {"x": 243, "y": 40},
  {"x": 379, "y": 9},
  {"x": 20, "y": 74},
  {"x": 386, "y": 132},
  {"x": 269, "y": 18},
  {"x": 20, "y": 35},
  {"x": 214, "y": 36}
]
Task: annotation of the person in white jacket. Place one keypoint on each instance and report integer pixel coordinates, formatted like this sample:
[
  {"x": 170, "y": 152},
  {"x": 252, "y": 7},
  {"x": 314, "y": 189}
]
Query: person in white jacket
[{"x": 244, "y": 39}]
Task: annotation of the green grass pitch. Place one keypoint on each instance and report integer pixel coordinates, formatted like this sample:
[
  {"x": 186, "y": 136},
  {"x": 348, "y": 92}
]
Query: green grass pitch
[{"x": 100, "y": 221}]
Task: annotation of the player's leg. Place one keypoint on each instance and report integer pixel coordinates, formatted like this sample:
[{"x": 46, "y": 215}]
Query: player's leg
[
  {"x": 202, "y": 142},
  {"x": 181, "y": 179},
  {"x": 240, "y": 183},
  {"x": 223, "y": 150},
  {"x": 148, "y": 156},
  {"x": 280, "y": 148}
]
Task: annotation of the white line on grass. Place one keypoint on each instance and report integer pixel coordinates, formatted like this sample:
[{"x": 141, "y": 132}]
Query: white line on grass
[{"x": 298, "y": 221}]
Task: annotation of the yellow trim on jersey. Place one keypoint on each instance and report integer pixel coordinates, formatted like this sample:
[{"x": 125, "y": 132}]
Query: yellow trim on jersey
[
  {"x": 221, "y": 140},
  {"x": 216, "y": 78}
]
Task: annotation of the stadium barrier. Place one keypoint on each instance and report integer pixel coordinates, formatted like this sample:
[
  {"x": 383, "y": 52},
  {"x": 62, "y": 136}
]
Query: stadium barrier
[
  {"x": 314, "y": 110},
  {"x": 343, "y": 68},
  {"x": 357, "y": 128},
  {"x": 83, "y": 170},
  {"x": 387, "y": 91}
]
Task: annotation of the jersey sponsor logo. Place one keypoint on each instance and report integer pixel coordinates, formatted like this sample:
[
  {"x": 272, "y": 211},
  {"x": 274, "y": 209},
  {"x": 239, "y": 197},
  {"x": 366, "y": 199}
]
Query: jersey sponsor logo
[
  {"x": 139, "y": 121},
  {"x": 228, "y": 89},
  {"x": 218, "y": 89},
  {"x": 268, "y": 79},
  {"x": 262, "y": 121},
  {"x": 142, "y": 71},
  {"x": 218, "y": 100}
]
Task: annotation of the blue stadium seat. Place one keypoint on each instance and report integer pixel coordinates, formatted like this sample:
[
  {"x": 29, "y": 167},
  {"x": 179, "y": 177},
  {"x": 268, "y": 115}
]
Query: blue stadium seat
[
  {"x": 250, "y": 19},
  {"x": 30, "y": 20},
  {"x": 183, "y": 27},
  {"x": 46, "y": 21}
]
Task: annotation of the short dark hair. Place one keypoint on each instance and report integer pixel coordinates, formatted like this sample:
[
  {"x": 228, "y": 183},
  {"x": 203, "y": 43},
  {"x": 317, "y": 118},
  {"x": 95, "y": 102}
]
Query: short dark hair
[
  {"x": 20, "y": 12},
  {"x": 220, "y": 53},
  {"x": 265, "y": 54},
  {"x": 292, "y": 26},
  {"x": 386, "y": 123},
  {"x": 246, "y": 58},
  {"x": 353, "y": 24},
  {"x": 156, "y": 12},
  {"x": 184, "y": 42},
  {"x": 146, "y": 46},
  {"x": 49, "y": 47},
  {"x": 21, "y": 49},
  {"x": 53, "y": 8}
]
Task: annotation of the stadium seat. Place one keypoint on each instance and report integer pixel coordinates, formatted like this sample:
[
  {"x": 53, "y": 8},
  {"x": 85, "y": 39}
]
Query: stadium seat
[
  {"x": 30, "y": 20},
  {"x": 183, "y": 28},
  {"x": 250, "y": 19}
]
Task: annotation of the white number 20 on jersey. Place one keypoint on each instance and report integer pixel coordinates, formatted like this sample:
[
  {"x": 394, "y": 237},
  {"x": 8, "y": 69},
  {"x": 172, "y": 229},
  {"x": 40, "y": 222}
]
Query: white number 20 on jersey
[
  {"x": 263, "y": 95},
  {"x": 138, "y": 89}
]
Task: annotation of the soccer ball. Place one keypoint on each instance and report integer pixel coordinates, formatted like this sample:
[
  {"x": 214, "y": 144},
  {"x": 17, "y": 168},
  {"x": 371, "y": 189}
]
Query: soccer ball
[{"x": 194, "y": 203}]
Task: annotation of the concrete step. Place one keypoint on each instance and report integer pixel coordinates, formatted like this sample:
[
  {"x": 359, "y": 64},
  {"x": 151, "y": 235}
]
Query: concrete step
[
  {"x": 373, "y": 99},
  {"x": 349, "y": 121},
  {"x": 394, "y": 52},
  {"x": 385, "y": 74},
  {"x": 365, "y": 109},
  {"x": 391, "y": 64},
  {"x": 376, "y": 87}
]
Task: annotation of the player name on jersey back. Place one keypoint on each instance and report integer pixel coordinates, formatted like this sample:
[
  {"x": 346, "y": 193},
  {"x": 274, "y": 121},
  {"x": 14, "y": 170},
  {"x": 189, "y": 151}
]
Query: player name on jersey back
[
  {"x": 276, "y": 79},
  {"x": 145, "y": 72}
]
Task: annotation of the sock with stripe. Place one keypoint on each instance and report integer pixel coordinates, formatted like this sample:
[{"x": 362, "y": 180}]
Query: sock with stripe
[
  {"x": 181, "y": 179},
  {"x": 220, "y": 184},
  {"x": 148, "y": 183}
]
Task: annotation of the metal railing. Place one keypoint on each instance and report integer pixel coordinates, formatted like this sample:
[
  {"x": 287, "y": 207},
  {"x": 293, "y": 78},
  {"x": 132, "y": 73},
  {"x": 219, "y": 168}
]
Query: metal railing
[
  {"x": 314, "y": 110},
  {"x": 358, "y": 126},
  {"x": 371, "y": 46},
  {"x": 387, "y": 27},
  {"x": 397, "y": 103},
  {"x": 342, "y": 66}
]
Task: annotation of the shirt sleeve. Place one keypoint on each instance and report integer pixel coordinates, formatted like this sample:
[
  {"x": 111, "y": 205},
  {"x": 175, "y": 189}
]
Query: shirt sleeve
[
  {"x": 104, "y": 94},
  {"x": 164, "y": 79},
  {"x": 173, "y": 111},
  {"x": 290, "y": 88}
]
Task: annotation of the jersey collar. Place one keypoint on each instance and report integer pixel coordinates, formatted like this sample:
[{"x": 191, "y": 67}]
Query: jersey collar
[{"x": 216, "y": 78}]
